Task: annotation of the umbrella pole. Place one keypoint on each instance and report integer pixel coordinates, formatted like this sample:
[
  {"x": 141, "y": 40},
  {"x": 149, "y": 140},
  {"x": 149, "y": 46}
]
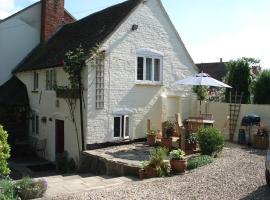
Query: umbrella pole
[{"x": 200, "y": 107}]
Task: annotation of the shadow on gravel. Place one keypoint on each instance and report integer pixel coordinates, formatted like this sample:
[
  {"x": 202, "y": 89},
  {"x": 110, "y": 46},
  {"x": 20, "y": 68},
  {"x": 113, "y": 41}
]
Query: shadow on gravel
[
  {"x": 262, "y": 193},
  {"x": 247, "y": 148}
]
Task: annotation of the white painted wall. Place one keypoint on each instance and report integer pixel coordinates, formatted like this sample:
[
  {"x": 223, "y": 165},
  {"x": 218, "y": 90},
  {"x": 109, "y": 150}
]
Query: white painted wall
[
  {"x": 220, "y": 112},
  {"x": 144, "y": 101},
  {"x": 18, "y": 36},
  {"x": 44, "y": 103}
]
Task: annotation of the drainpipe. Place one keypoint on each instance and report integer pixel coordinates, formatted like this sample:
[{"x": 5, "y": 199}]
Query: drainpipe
[{"x": 81, "y": 111}]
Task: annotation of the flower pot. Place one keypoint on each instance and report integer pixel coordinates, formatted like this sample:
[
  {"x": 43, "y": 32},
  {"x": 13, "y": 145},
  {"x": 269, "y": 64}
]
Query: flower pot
[
  {"x": 167, "y": 142},
  {"x": 142, "y": 174},
  {"x": 151, "y": 140},
  {"x": 260, "y": 142},
  {"x": 150, "y": 172},
  {"x": 190, "y": 146},
  {"x": 178, "y": 166}
]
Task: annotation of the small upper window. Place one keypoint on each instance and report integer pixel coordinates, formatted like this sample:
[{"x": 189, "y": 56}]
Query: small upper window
[
  {"x": 149, "y": 65},
  {"x": 35, "y": 81},
  {"x": 50, "y": 79},
  {"x": 35, "y": 123}
]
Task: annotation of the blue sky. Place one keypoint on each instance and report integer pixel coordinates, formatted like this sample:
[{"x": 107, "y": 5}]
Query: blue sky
[{"x": 210, "y": 29}]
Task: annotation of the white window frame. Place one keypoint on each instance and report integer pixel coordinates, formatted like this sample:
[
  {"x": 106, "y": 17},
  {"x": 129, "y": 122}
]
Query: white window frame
[
  {"x": 35, "y": 81},
  {"x": 50, "y": 79},
  {"x": 122, "y": 128},
  {"x": 152, "y": 54}
]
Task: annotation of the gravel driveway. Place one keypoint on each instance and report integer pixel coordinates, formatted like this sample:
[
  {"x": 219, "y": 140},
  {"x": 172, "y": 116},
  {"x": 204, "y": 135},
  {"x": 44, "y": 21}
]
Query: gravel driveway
[{"x": 237, "y": 174}]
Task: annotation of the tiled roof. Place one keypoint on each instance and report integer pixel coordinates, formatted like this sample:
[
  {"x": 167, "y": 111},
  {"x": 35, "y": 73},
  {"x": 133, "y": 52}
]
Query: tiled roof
[
  {"x": 88, "y": 32},
  {"x": 216, "y": 70}
]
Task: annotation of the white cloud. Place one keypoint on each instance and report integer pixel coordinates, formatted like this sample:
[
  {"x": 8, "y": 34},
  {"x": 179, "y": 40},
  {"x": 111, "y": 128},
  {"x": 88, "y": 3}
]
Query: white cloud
[{"x": 7, "y": 7}]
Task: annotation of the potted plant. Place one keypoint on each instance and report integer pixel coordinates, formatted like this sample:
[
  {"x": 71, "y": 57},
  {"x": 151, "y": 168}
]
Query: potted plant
[
  {"x": 178, "y": 161},
  {"x": 151, "y": 137},
  {"x": 142, "y": 171},
  {"x": 169, "y": 129},
  {"x": 156, "y": 166},
  {"x": 191, "y": 141}
]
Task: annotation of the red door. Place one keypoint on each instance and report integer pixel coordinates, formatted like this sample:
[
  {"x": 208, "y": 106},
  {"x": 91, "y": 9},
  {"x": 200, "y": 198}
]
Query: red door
[{"x": 59, "y": 137}]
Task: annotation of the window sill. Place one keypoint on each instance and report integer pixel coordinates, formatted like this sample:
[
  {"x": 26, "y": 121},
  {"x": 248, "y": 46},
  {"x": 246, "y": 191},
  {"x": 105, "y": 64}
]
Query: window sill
[{"x": 149, "y": 83}]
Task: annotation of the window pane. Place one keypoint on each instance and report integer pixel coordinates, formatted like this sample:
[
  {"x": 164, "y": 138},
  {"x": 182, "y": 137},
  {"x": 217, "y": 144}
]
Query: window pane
[
  {"x": 117, "y": 126},
  {"x": 33, "y": 123},
  {"x": 47, "y": 80},
  {"x": 127, "y": 127},
  {"x": 149, "y": 69},
  {"x": 140, "y": 68},
  {"x": 157, "y": 70},
  {"x": 37, "y": 124}
]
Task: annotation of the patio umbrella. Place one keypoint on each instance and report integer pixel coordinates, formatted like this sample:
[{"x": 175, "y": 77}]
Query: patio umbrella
[{"x": 202, "y": 79}]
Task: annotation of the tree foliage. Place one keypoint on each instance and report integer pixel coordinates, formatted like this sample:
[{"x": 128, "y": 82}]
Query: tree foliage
[
  {"x": 239, "y": 78},
  {"x": 262, "y": 88},
  {"x": 201, "y": 92},
  {"x": 4, "y": 152}
]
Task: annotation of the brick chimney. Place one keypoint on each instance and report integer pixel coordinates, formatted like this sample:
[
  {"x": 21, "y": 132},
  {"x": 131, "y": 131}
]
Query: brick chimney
[{"x": 52, "y": 18}]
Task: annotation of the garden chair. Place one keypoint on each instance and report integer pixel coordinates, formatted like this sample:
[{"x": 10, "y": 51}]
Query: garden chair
[
  {"x": 194, "y": 124},
  {"x": 207, "y": 116}
]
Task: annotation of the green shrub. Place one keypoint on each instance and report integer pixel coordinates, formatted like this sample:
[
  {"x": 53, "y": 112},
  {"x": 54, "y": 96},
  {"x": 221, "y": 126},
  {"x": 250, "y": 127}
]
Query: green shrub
[
  {"x": 211, "y": 141},
  {"x": 7, "y": 190},
  {"x": 64, "y": 164},
  {"x": 29, "y": 189},
  {"x": 4, "y": 152},
  {"x": 199, "y": 161},
  {"x": 262, "y": 89}
]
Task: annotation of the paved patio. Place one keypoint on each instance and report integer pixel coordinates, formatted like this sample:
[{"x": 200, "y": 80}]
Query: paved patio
[{"x": 69, "y": 184}]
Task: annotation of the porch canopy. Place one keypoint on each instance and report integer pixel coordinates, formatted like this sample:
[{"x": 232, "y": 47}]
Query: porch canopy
[{"x": 13, "y": 93}]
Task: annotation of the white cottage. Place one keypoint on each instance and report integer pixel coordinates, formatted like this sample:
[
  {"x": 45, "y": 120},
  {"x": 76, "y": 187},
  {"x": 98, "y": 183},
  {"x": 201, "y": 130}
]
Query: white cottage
[
  {"x": 21, "y": 32},
  {"x": 144, "y": 56}
]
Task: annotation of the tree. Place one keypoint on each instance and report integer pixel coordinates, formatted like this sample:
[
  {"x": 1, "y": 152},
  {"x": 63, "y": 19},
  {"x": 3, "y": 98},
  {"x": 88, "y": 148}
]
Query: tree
[
  {"x": 4, "y": 152},
  {"x": 239, "y": 78},
  {"x": 201, "y": 92},
  {"x": 262, "y": 88}
]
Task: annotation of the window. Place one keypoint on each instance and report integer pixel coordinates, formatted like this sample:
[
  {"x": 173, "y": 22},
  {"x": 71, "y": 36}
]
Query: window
[
  {"x": 140, "y": 68},
  {"x": 50, "y": 79},
  {"x": 35, "y": 124},
  {"x": 35, "y": 81},
  {"x": 121, "y": 126},
  {"x": 100, "y": 82},
  {"x": 149, "y": 65}
]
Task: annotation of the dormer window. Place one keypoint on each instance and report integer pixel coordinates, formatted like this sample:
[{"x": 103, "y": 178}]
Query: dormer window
[{"x": 149, "y": 65}]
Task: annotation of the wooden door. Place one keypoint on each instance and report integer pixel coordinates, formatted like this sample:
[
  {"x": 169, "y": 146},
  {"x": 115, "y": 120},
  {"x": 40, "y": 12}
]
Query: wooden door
[{"x": 59, "y": 137}]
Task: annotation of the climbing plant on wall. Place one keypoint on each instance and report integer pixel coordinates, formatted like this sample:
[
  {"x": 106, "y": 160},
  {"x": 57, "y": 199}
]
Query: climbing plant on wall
[
  {"x": 74, "y": 62},
  {"x": 4, "y": 152}
]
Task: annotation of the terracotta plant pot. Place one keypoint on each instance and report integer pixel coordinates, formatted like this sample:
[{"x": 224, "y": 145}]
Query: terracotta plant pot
[
  {"x": 142, "y": 174},
  {"x": 260, "y": 142},
  {"x": 190, "y": 146},
  {"x": 178, "y": 166},
  {"x": 167, "y": 142},
  {"x": 151, "y": 140},
  {"x": 150, "y": 172}
]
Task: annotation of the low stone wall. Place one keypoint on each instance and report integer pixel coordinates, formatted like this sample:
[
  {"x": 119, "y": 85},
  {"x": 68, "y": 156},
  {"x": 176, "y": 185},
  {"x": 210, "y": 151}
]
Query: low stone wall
[{"x": 90, "y": 163}]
